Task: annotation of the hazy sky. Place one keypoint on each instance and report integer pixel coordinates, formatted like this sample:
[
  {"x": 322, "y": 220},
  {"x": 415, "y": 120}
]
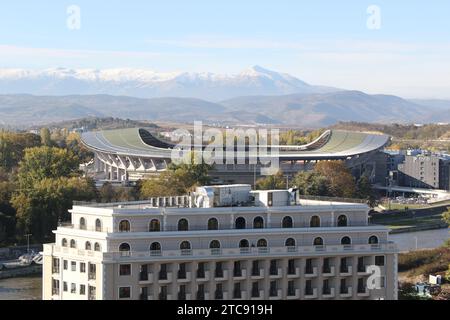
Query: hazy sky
[{"x": 321, "y": 42}]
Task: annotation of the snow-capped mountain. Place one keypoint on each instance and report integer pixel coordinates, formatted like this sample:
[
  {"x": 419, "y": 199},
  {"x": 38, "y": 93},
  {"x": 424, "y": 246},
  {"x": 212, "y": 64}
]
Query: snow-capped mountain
[{"x": 149, "y": 84}]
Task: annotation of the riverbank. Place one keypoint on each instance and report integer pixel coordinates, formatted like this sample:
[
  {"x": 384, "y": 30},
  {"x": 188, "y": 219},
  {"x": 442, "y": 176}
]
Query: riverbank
[
  {"x": 417, "y": 228},
  {"x": 21, "y": 288},
  {"x": 35, "y": 269}
]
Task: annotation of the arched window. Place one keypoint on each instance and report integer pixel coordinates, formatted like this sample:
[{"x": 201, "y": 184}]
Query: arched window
[
  {"x": 318, "y": 241},
  {"x": 244, "y": 243},
  {"x": 287, "y": 222},
  {"x": 213, "y": 224},
  {"x": 64, "y": 242},
  {"x": 342, "y": 221},
  {"x": 258, "y": 223},
  {"x": 98, "y": 225},
  {"x": 82, "y": 223},
  {"x": 290, "y": 242},
  {"x": 315, "y": 222},
  {"x": 240, "y": 223},
  {"x": 154, "y": 226},
  {"x": 183, "y": 225},
  {"x": 155, "y": 246},
  {"x": 215, "y": 244},
  {"x": 373, "y": 240},
  {"x": 124, "y": 226},
  {"x": 185, "y": 245},
  {"x": 88, "y": 246},
  {"x": 346, "y": 241},
  {"x": 261, "y": 243},
  {"x": 73, "y": 244},
  {"x": 124, "y": 247},
  {"x": 97, "y": 247}
]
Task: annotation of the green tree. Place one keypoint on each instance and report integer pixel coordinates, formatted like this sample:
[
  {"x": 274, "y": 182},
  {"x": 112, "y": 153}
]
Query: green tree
[
  {"x": 12, "y": 146},
  {"x": 311, "y": 183},
  {"x": 45, "y": 162},
  {"x": 276, "y": 181},
  {"x": 177, "y": 180},
  {"x": 47, "y": 202},
  {"x": 46, "y": 139},
  {"x": 365, "y": 191},
  {"x": 446, "y": 216}
]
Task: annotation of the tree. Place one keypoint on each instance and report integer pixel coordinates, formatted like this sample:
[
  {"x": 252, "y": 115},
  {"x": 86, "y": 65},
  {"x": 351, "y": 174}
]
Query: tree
[
  {"x": 177, "y": 180},
  {"x": 341, "y": 181},
  {"x": 7, "y": 212},
  {"x": 276, "y": 181},
  {"x": 365, "y": 191},
  {"x": 446, "y": 216},
  {"x": 46, "y": 139},
  {"x": 45, "y": 162},
  {"x": 311, "y": 183},
  {"x": 12, "y": 146},
  {"x": 47, "y": 202}
]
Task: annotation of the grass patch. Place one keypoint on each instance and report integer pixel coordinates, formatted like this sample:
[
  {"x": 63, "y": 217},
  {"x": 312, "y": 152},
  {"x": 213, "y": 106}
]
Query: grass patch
[{"x": 424, "y": 262}]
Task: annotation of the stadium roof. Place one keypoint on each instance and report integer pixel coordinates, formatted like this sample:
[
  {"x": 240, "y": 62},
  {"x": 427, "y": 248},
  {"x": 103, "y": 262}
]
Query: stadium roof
[{"x": 332, "y": 144}]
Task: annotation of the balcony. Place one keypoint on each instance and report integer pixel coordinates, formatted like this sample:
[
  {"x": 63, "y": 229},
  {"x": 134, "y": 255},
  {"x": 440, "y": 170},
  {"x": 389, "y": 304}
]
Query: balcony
[
  {"x": 165, "y": 277},
  {"x": 345, "y": 271},
  {"x": 363, "y": 292},
  {"x": 257, "y": 295},
  {"x": 277, "y": 295},
  {"x": 184, "y": 296},
  {"x": 239, "y": 295},
  {"x": 165, "y": 296},
  {"x": 328, "y": 272},
  {"x": 146, "y": 278},
  {"x": 291, "y": 274},
  {"x": 362, "y": 270},
  {"x": 225, "y": 252},
  {"x": 203, "y": 276},
  {"x": 184, "y": 276},
  {"x": 346, "y": 292},
  {"x": 150, "y": 297},
  {"x": 310, "y": 293},
  {"x": 311, "y": 272},
  {"x": 293, "y": 295},
  {"x": 275, "y": 273},
  {"x": 257, "y": 274},
  {"x": 221, "y": 276},
  {"x": 240, "y": 274},
  {"x": 328, "y": 293}
]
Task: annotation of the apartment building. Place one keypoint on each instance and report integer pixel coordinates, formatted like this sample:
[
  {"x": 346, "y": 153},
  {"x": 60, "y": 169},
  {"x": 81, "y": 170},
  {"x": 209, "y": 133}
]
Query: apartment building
[{"x": 224, "y": 242}]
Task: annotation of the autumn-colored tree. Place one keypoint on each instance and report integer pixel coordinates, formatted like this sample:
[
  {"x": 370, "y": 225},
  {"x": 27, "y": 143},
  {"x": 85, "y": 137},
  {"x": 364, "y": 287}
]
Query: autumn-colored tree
[{"x": 340, "y": 179}]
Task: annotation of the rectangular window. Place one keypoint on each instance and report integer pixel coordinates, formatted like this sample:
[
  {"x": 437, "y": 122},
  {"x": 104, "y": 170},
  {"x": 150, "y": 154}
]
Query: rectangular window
[
  {"x": 65, "y": 286},
  {"x": 379, "y": 260},
  {"x": 124, "y": 292},
  {"x": 65, "y": 264},
  {"x": 55, "y": 265},
  {"x": 82, "y": 289},
  {"x": 125, "y": 269},
  {"x": 82, "y": 267},
  {"x": 73, "y": 266},
  {"x": 73, "y": 288}
]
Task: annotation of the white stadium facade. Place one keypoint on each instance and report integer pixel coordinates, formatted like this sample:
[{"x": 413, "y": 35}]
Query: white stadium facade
[{"x": 126, "y": 155}]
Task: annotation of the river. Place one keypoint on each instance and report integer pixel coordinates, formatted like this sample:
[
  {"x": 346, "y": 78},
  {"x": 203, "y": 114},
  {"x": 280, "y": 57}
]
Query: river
[
  {"x": 30, "y": 288},
  {"x": 427, "y": 239}
]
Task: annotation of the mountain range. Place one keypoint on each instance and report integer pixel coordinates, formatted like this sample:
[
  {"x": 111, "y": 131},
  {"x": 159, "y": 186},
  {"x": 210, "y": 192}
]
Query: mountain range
[
  {"x": 143, "y": 83},
  {"x": 254, "y": 96}
]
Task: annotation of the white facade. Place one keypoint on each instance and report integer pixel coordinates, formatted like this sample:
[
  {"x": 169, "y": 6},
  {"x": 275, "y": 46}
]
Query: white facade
[{"x": 312, "y": 250}]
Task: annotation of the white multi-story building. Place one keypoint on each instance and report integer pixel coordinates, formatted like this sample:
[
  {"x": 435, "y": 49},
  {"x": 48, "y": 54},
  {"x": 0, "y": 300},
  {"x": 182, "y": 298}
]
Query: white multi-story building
[{"x": 221, "y": 243}]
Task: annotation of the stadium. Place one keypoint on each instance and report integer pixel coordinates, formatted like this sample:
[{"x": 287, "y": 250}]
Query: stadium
[{"x": 126, "y": 155}]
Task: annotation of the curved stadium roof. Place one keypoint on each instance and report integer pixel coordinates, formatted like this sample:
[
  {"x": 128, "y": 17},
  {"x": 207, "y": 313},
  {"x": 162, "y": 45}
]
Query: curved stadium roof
[{"x": 332, "y": 144}]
